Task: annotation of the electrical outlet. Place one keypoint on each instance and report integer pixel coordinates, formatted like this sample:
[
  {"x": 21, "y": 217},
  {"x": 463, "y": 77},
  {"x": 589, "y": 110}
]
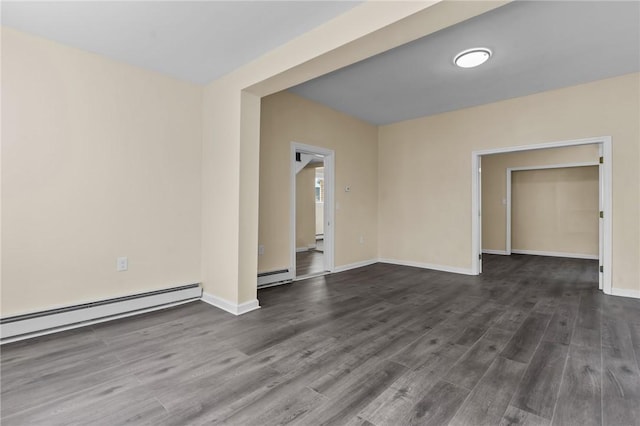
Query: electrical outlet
[
  {"x": 260, "y": 250},
  {"x": 361, "y": 239},
  {"x": 122, "y": 264}
]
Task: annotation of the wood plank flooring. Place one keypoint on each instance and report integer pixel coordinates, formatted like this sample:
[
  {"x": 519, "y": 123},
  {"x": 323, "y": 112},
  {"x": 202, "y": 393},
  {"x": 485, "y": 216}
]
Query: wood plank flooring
[
  {"x": 529, "y": 342},
  {"x": 309, "y": 262}
]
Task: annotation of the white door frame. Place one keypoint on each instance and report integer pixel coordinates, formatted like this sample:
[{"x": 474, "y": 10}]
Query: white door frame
[
  {"x": 605, "y": 149},
  {"x": 479, "y": 215},
  {"x": 558, "y": 166},
  {"x": 525, "y": 168},
  {"x": 329, "y": 195}
]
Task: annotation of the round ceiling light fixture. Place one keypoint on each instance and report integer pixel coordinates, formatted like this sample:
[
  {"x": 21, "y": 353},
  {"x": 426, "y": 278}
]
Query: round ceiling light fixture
[{"x": 472, "y": 57}]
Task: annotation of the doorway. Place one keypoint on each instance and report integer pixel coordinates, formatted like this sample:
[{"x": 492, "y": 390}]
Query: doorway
[
  {"x": 312, "y": 180},
  {"x": 586, "y": 195},
  {"x": 603, "y": 145}
]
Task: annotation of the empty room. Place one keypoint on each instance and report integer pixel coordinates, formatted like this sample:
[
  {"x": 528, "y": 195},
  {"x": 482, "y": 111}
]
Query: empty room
[{"x": 320, "y": 212}]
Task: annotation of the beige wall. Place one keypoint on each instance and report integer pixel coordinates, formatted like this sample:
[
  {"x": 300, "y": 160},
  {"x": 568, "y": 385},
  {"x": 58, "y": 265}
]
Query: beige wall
[
  {"x": 305, "y": 208},
  {"x": 229, "y": 123},
  {"x": 230, "y": 127},
  {"x": 425, "y": 167},
  {"x": 556, "y": 210},
  {"x": 289, "y": 118},
  {"x": 99, "y": 160},
  {"x": 494, "y": 184},
  {"x": 231, "y": 138}
]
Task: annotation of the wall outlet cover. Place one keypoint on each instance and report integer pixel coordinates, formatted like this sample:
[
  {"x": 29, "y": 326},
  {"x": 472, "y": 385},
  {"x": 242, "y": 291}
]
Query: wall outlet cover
[{"x": 122, "y": 264}]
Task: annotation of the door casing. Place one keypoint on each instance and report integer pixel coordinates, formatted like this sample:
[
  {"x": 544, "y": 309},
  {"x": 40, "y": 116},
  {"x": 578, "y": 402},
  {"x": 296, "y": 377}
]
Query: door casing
[
  {"x": 605, "y": 227},
  {"x": 329, "y": 202}
]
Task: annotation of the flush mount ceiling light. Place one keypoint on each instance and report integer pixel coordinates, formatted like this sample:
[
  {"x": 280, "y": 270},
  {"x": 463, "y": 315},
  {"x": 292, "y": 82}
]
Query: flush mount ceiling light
[{"x": 472, "y": 57}]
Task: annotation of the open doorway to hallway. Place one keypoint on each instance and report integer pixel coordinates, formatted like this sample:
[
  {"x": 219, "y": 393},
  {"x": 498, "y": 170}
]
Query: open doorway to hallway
[
  {"x": 312, "y": 194},
  {"x": 309, "y": 215}
]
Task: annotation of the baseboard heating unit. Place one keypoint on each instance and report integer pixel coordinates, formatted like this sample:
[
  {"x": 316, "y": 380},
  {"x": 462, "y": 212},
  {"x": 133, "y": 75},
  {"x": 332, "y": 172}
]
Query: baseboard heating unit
[
  {"x": 271, "y": 278},
  {"x": 34, "y": 324}
]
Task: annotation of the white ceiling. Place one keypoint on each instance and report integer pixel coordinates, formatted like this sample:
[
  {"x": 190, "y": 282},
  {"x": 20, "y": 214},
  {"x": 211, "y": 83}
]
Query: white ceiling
[
  {"x": 538, "y": 46},
  {"x": 197, "y": 41}
]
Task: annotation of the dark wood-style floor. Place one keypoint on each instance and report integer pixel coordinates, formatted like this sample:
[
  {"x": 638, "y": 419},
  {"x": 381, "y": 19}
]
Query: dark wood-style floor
[
  {"x": 531, "y": 341},
  {"x": 309, "y": 262}
]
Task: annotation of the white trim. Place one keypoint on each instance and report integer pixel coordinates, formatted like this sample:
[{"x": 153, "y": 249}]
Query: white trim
[
  {"x": 479, "y": 175},
  {"x": 265, "y": 280},
  {"x": 510, "y": 190},
  {"x": 607, "y": 222},
  {"x": 623, "y": 292},
  {"x": 338, "y": 269},
  {"x": 500, "y": 252},
  {"x": 555, "y": 166},
  {"x": 75, "y": 318},
  {"x": 276, "y": 283},
  {"x": 312, "y": 275},
  {"x": 97, "y": 321},
  {"x": 556, "y": 254},
  {"x": 507, "y": 206},
  {"x": 233, "y": 308},
  {"x": 329, "y": 203},
  {"x": 600, "y": 221},
  {"x": 349, "y": 266},
  {"x": 604, "y": 142},
  {"x": 249, "y": 306},
  {"x": 443, "y": 268},
  {"x": 572, "y": 142}
]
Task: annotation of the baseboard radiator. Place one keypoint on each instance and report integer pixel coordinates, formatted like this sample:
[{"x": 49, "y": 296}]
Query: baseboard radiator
[
  {"x": 34, "y": 324},
  {"x": 271, "y": 278}
]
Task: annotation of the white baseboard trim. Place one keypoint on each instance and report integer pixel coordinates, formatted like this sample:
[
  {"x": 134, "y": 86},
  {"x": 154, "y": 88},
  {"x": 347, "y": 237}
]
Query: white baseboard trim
[
  {"x": 274, "y": 284},
  {"x": 500, "y": 252},
  {"x": 35, "y": 324},
  {"x": 354, "y": 265},
  {"x": 309, "y": 276},
  {"x": 443, "y": 268},
  {"x": 556, "y": 254},
  {"x": 309, "y": 247},
  {"x": 265, "y": 280},
  {"x": 233, "y": 308},
  {"x": 623, "y": 292}
]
